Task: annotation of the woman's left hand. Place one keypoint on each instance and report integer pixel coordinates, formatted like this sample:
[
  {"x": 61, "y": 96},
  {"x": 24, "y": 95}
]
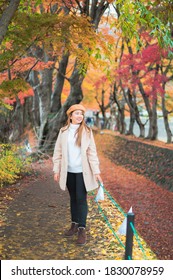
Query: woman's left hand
[{"x": 98, "y": 178}]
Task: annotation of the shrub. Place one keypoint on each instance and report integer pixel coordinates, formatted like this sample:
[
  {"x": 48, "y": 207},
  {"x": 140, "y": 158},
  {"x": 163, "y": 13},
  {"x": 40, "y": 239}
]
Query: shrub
[{"x": 12, "y": 163}]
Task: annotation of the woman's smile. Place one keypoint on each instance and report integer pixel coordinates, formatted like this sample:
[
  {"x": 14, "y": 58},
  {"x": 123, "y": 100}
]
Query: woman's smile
[{"x": 77, "y": 117}]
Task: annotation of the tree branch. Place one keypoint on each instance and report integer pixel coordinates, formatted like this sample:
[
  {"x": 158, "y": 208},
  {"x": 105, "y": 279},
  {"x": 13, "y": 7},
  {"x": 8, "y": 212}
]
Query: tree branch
[
  {"x": 26, "y": 77},
  {"x": 68, "y": 79}
]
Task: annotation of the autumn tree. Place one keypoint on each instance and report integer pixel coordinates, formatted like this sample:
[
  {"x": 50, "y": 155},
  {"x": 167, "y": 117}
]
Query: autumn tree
[
  {"x": 133, "y": 77},
  {"x": 94, "y": 13},
  {"x": 78, "y": 25},
  {"x": 155, "y": 16},
  {"x": 141, "y": 72},
  {"x": 57, "y": 49},
  {"x": 63, "y": 33}
]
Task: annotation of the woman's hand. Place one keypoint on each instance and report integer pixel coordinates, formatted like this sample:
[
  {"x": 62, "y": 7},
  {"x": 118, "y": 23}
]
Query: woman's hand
[
  {"x": 56, "y": 177},
  {"x": 98, "y": 178}
]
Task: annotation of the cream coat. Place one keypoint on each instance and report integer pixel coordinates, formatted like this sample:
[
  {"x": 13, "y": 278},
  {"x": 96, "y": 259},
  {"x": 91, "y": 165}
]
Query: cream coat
[{"x": 90, "y": 162}]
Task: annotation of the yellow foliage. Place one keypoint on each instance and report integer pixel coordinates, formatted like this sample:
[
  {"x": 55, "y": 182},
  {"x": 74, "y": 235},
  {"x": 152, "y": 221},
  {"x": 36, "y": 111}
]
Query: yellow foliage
[{"x": 11, "y": 163}]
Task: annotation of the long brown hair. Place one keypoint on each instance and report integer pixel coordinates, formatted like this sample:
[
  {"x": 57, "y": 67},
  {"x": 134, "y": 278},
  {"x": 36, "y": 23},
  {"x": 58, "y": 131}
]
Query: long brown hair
[{"x": 82, "y": 126}]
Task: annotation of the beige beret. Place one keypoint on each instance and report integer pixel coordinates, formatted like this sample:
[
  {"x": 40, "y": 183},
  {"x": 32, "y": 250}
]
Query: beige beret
[{"x": 75, "y": 107}]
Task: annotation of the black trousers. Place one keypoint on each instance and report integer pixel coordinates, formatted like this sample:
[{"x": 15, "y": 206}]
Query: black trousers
[{"x": 78, "y": 198}]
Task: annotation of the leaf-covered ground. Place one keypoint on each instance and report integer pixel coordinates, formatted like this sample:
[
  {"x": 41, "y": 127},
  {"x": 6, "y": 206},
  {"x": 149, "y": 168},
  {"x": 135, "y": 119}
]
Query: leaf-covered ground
[
  {"x": 35, "y": 213},
  {"x": 152, "y": 203},
  {"x": 153, "y": 162}
]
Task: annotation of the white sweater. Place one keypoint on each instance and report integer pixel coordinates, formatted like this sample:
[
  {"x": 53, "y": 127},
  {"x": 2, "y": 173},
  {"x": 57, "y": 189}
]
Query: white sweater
[{"x": 74, "y": 152}]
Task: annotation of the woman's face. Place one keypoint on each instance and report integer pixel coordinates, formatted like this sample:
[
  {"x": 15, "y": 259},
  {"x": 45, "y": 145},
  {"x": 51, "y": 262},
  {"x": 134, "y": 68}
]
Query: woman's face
[{"x": 77, "y": 117}]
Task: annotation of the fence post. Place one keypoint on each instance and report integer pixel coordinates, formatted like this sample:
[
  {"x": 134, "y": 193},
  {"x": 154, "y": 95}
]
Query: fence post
[{"x": 129, "y": 236}]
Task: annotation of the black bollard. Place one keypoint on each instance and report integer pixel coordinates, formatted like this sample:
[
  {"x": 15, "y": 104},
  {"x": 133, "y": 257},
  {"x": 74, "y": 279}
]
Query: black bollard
[{"x": 129, "y": 236}]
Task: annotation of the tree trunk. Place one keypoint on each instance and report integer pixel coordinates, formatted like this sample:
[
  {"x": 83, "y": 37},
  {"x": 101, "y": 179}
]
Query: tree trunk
[
  {"x": 130, "y": 103},
  {"x": 5, "y": 125},
  {"x": 134, "y": 114},
  {"x": 7, "y": 17},
  {"x": 26, "y": 112},
  {"x": 103, "y": 108},
  {"x": 121, "y": 125},
  {"x": 96, "y": 11},
  {"x": 122, "y": 121},
  {"x": 138, "y": 119},
  {"x": 166, "y": 122},
  {"x": 60, "y": 118},
  {"x": 140, "y": 124},
  {"x": 154, "y": 127},
  {"x": 56, "y": 96},
  {"x": 35, "y": 113},
  {"x": 131, "y": 124},
  {"x": 18, "y": 122},
  {"x": 41, "y": 81},
  {"x": 44, "y": 94},
  {"x": 148, "y": 108}
]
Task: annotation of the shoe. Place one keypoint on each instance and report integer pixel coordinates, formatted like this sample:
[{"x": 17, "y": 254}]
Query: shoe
[
  {"x": 81, "y": 236},
  {"x": 73, "y": 230}
]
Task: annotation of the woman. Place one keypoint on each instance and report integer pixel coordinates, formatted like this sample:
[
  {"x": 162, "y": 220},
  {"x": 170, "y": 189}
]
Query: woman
[{"x": 76, "y": 166}]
